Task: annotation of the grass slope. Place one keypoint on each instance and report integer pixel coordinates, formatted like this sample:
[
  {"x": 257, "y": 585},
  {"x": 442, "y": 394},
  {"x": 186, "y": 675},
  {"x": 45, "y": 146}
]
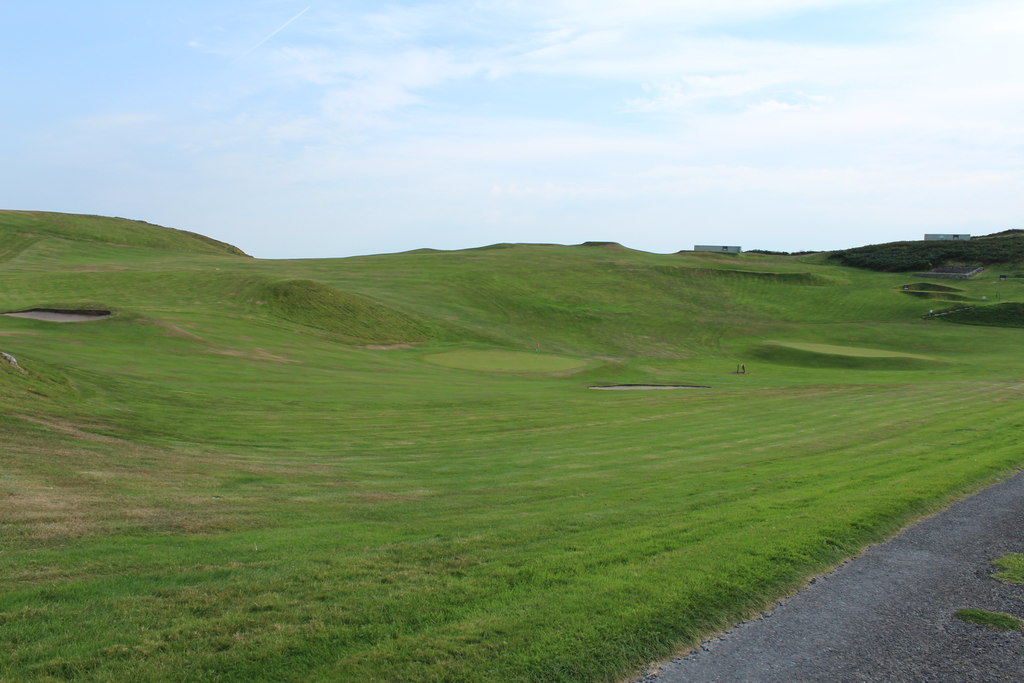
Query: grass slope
[
  {"x": 22, "y": 229},
  {"x": 1009, "y": 314},
  {"x": 1005, "y": 248},
  {"x": 225, "y": 481},
  {"x": 350, "y": 316}
]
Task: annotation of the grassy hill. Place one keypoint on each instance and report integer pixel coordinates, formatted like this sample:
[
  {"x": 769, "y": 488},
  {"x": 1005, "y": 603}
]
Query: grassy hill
[
  {"x": 1006, "y": 248},
  {"x": 392, "y": 468},
  {"x": 62, "y": 232},
  {"x": 1010, "y": 314}
]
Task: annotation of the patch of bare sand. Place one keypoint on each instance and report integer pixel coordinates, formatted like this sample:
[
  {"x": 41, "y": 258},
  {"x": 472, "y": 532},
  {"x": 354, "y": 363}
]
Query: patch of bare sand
[
  {"x": 55, "y": 316},
  {"x": 648, "y": 387}
]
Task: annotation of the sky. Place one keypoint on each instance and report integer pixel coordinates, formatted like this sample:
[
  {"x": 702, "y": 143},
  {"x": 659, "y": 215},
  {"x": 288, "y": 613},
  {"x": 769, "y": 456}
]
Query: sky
[{"x": 340, "y": 127}]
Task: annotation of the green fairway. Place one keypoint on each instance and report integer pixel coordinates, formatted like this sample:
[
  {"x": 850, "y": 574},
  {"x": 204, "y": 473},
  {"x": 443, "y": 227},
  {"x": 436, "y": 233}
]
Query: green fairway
[
  {"x": 504, "y": 361},
  {"x": 389, "y": 468}
]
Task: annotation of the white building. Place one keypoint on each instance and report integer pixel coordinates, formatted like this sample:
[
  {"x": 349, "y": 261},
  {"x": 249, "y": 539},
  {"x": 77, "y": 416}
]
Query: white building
[
  {"x": 714, "y": 247},
  {"x": 960, "y": 238}
]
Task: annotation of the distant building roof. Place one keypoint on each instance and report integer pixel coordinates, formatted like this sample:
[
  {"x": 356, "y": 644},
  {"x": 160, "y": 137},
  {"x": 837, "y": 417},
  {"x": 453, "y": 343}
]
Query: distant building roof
[
  {"x": 717, "y": 247},
  {"x": 948, "y": 236}
]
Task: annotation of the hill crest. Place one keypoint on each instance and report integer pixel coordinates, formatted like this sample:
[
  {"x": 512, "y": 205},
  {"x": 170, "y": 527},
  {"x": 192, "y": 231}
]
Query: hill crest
[{"x": 26, "y": 225}]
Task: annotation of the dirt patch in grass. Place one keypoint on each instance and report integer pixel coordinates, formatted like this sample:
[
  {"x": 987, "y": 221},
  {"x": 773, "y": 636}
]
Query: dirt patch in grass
[
  {"x": 94, "y": 496},
  {"x": 45, "y": 512},
  {"x": 172, "y": 330},
  {"x": 175, "y": 331},
  {"x": 255, "y": 354},
  {"x": 69, "y": 429}
]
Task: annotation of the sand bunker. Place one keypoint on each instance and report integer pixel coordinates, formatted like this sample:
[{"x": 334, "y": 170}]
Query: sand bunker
[
  {"x": 55, "y": 315},
  {"x": 648, "y": 387}
]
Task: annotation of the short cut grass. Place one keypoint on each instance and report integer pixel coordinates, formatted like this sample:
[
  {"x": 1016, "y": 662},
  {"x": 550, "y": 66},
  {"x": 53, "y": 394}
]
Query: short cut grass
[
  {"x": 392, "y": 468},
  {"x": 1000, "y": 621},
  {"x": 1012, "y": 567}
]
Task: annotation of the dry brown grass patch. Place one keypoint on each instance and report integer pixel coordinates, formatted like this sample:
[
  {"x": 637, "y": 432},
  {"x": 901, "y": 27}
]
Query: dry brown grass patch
[
  {"x": 255, "y": 354},
  {"x": 70, "y": 429},
  {"x": 385, "y": 496},
  {"x": 175, "y": 331},
  {"x": 44, "y": 512}
]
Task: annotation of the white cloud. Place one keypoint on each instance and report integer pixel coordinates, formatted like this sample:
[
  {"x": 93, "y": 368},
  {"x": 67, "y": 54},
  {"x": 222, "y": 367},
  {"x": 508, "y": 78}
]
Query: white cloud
[
  {"x": 677, "y": 14},
  {"x": 539, "y": 118}
]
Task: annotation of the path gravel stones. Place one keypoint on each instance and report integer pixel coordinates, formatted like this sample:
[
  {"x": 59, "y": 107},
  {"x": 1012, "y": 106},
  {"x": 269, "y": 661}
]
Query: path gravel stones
[{"x": 887, "y": 615}]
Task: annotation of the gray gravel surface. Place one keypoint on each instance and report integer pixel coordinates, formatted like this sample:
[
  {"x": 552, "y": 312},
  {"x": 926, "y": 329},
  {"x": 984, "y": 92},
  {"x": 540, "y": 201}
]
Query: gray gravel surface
[{"x": 887, "y": 615}]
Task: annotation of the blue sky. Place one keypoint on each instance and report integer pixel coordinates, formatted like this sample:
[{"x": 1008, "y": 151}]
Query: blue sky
[{"x": 334, "y": 128}]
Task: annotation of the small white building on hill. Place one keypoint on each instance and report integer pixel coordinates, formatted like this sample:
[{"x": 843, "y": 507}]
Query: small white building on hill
[
  {"x": 715, "y": 247},
  {"x": 958, "y": 238}
]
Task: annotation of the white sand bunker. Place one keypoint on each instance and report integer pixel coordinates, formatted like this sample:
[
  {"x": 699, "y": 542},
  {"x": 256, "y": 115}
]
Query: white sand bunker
[
  {"x": 648, "y": 387},
  {"x": 56, "y": 315}
]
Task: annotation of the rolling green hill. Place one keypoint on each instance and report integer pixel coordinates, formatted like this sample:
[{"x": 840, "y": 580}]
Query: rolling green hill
[
  {"x": 26, "y": 229},
  {"x": 1006, "y": 248},
  {"x": 391, "y": 468},
  {"x": 1009, "y": 314}
]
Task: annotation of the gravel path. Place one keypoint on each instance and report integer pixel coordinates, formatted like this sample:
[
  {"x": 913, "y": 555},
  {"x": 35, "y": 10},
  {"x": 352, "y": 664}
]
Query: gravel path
[{"x": 887, "y": 615}]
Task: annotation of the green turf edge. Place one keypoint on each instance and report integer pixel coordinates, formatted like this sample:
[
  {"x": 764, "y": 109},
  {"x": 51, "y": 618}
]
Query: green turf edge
[
  {"x": 1012, "y": 565},
  {"x": 998, "y": 620}
]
